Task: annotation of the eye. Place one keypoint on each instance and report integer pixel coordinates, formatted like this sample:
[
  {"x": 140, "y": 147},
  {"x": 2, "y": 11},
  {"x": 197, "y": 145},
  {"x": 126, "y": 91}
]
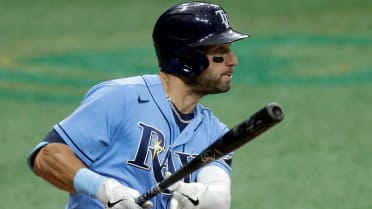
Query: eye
[{"x": 221, "y": 50}]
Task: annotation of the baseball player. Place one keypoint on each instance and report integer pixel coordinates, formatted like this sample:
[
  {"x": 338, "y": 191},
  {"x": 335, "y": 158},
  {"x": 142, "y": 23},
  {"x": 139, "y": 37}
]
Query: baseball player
[{"x": 130, "y": 133}]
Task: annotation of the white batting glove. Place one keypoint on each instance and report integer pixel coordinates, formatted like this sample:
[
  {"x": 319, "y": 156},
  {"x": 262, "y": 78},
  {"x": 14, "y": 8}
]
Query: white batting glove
[
  {"x": 118, "y": 196},
  {"x": 187, "y": 195}
]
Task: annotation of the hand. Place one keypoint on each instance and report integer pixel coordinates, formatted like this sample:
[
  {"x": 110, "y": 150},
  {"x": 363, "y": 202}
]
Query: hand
[
  {"x": 117, "y": 196},
  {"x": 187, "y": 195}
]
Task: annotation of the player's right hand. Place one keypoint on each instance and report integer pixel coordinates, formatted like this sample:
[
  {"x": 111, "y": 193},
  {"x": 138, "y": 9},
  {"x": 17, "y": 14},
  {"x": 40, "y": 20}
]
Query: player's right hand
[
  {"x": 188, "y": 196},
  {"x": 118, "y": 196}
]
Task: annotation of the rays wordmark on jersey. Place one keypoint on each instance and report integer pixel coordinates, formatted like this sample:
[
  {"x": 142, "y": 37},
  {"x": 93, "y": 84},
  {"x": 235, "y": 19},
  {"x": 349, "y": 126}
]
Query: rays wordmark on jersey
[{"x": 152, "y": 146}]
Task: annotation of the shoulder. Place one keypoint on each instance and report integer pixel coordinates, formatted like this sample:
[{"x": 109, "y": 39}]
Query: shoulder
[
  {"x": 144, "y": 80},
  {"x": 211, "y": 120},
  {"x": 129, "y": 81},
  {"x": 207, "y": 113},
  {"x": 124, "y": 85}
]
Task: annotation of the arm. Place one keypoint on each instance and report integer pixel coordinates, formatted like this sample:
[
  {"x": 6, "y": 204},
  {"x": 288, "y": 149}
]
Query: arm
[
  {"x": 217, "y": 193},
  {"x": 57, "y": 164}
]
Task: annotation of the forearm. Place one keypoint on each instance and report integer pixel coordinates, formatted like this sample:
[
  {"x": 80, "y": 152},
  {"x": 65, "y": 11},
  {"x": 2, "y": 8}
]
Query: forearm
[{"x": 57, "y": 164}]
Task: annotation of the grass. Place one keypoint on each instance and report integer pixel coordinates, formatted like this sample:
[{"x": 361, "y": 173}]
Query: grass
[
  {"x": 317, "y": 158},
  {"x": 313, "y": 57}
]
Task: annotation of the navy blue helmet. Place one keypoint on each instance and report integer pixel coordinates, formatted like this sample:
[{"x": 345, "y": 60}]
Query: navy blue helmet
[{"x": 183, "y": 30}]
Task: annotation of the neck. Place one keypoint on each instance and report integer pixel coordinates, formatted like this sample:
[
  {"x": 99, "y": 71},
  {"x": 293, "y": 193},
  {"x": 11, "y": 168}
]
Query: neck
[{"x": 179, "y": 93}]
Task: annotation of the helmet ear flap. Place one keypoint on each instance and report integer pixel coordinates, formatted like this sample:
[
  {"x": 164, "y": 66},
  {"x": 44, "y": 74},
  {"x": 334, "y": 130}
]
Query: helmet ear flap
[{"x": 186, "y": 61}]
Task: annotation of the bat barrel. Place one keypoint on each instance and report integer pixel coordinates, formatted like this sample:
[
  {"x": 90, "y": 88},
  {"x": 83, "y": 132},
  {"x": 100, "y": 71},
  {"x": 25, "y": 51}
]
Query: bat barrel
[{"x": 249, "y": 129}]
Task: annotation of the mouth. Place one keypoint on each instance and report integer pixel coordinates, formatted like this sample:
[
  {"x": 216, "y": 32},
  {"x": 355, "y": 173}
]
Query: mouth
[
  {"x": 227, "y": 76},
  {"x": 229, "y": 73}
]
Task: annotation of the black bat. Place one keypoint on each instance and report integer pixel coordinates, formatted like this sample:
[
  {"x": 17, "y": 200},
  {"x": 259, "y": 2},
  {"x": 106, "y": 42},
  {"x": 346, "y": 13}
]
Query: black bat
[{"x": 236, "y": 137}]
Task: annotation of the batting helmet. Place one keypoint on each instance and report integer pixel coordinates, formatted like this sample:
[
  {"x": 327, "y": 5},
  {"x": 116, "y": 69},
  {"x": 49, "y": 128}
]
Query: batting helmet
[{"x": 182, "y": 30}]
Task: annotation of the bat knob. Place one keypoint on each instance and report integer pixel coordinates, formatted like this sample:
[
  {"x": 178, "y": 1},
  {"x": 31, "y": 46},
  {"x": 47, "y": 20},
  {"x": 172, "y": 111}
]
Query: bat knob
[{"x": 275, "y": 111}]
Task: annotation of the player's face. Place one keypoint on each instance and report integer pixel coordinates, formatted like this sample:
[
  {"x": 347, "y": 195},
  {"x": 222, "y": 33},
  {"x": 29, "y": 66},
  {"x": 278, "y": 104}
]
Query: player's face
[{"x": 217, "y": 77}]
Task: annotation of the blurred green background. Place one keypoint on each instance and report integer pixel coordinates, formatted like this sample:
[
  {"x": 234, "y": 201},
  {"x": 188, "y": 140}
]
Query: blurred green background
[{"x": 313, "y": 57}]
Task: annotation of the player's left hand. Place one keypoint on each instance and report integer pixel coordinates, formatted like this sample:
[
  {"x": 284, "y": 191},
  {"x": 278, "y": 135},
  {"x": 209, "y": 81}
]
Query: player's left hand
[
  {"x": 187, "y": 195},
  {"x": 118, "y": 196}
]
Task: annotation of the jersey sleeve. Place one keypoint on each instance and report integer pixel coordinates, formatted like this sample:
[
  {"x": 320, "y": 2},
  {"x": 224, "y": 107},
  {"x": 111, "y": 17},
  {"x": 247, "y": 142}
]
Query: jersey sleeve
[
  {"x": 90, "y": 127},
  {"x": 51, "y": 137}
]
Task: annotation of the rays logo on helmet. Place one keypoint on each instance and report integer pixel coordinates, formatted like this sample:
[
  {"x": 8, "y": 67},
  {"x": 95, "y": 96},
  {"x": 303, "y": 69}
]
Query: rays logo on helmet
[{"x": 225, "y": 19}]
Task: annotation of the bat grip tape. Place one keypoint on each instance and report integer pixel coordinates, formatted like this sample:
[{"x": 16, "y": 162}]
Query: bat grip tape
[{"x": 155, "y": 190}]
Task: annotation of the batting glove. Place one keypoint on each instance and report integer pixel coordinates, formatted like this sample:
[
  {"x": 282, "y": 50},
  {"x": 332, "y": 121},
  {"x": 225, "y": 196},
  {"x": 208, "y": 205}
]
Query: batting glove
[
  {"x": 118, "y": 196},
  {"x": 187, "y": 196}
]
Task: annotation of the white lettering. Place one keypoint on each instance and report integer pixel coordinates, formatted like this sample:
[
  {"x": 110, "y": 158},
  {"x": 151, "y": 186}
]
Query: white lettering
[{"x": 224, "y": 18}]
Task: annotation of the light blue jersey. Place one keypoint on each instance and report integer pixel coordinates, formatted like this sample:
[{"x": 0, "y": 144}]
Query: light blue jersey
[{"x": 125, "y": 129}]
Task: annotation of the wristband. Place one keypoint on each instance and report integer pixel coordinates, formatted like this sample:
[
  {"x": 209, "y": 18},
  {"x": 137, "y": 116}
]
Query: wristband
[{"x": 88, "y": 182}]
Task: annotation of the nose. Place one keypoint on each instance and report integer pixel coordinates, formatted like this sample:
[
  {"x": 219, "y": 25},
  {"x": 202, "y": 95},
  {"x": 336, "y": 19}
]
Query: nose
[{"x": 232, "y": 59}]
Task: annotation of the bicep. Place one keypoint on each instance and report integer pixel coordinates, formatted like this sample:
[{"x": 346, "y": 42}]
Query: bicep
[
  {"x": 51, "y": 137},
  {"x": 57, "y": 164}
]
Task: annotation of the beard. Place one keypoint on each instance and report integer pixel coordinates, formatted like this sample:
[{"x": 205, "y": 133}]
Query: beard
[{"x": 208, "y": 83}]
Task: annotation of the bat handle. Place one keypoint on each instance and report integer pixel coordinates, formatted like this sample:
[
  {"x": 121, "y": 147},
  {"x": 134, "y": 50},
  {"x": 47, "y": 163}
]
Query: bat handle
[{"x": 149, "y": 194}]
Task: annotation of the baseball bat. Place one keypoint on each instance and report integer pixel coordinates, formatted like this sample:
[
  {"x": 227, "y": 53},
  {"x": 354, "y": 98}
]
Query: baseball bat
[{"x": 236, "y": 137}]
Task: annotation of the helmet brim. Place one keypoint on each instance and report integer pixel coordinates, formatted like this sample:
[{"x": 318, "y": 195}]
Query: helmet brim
[{"x": 220, "y": 38}]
